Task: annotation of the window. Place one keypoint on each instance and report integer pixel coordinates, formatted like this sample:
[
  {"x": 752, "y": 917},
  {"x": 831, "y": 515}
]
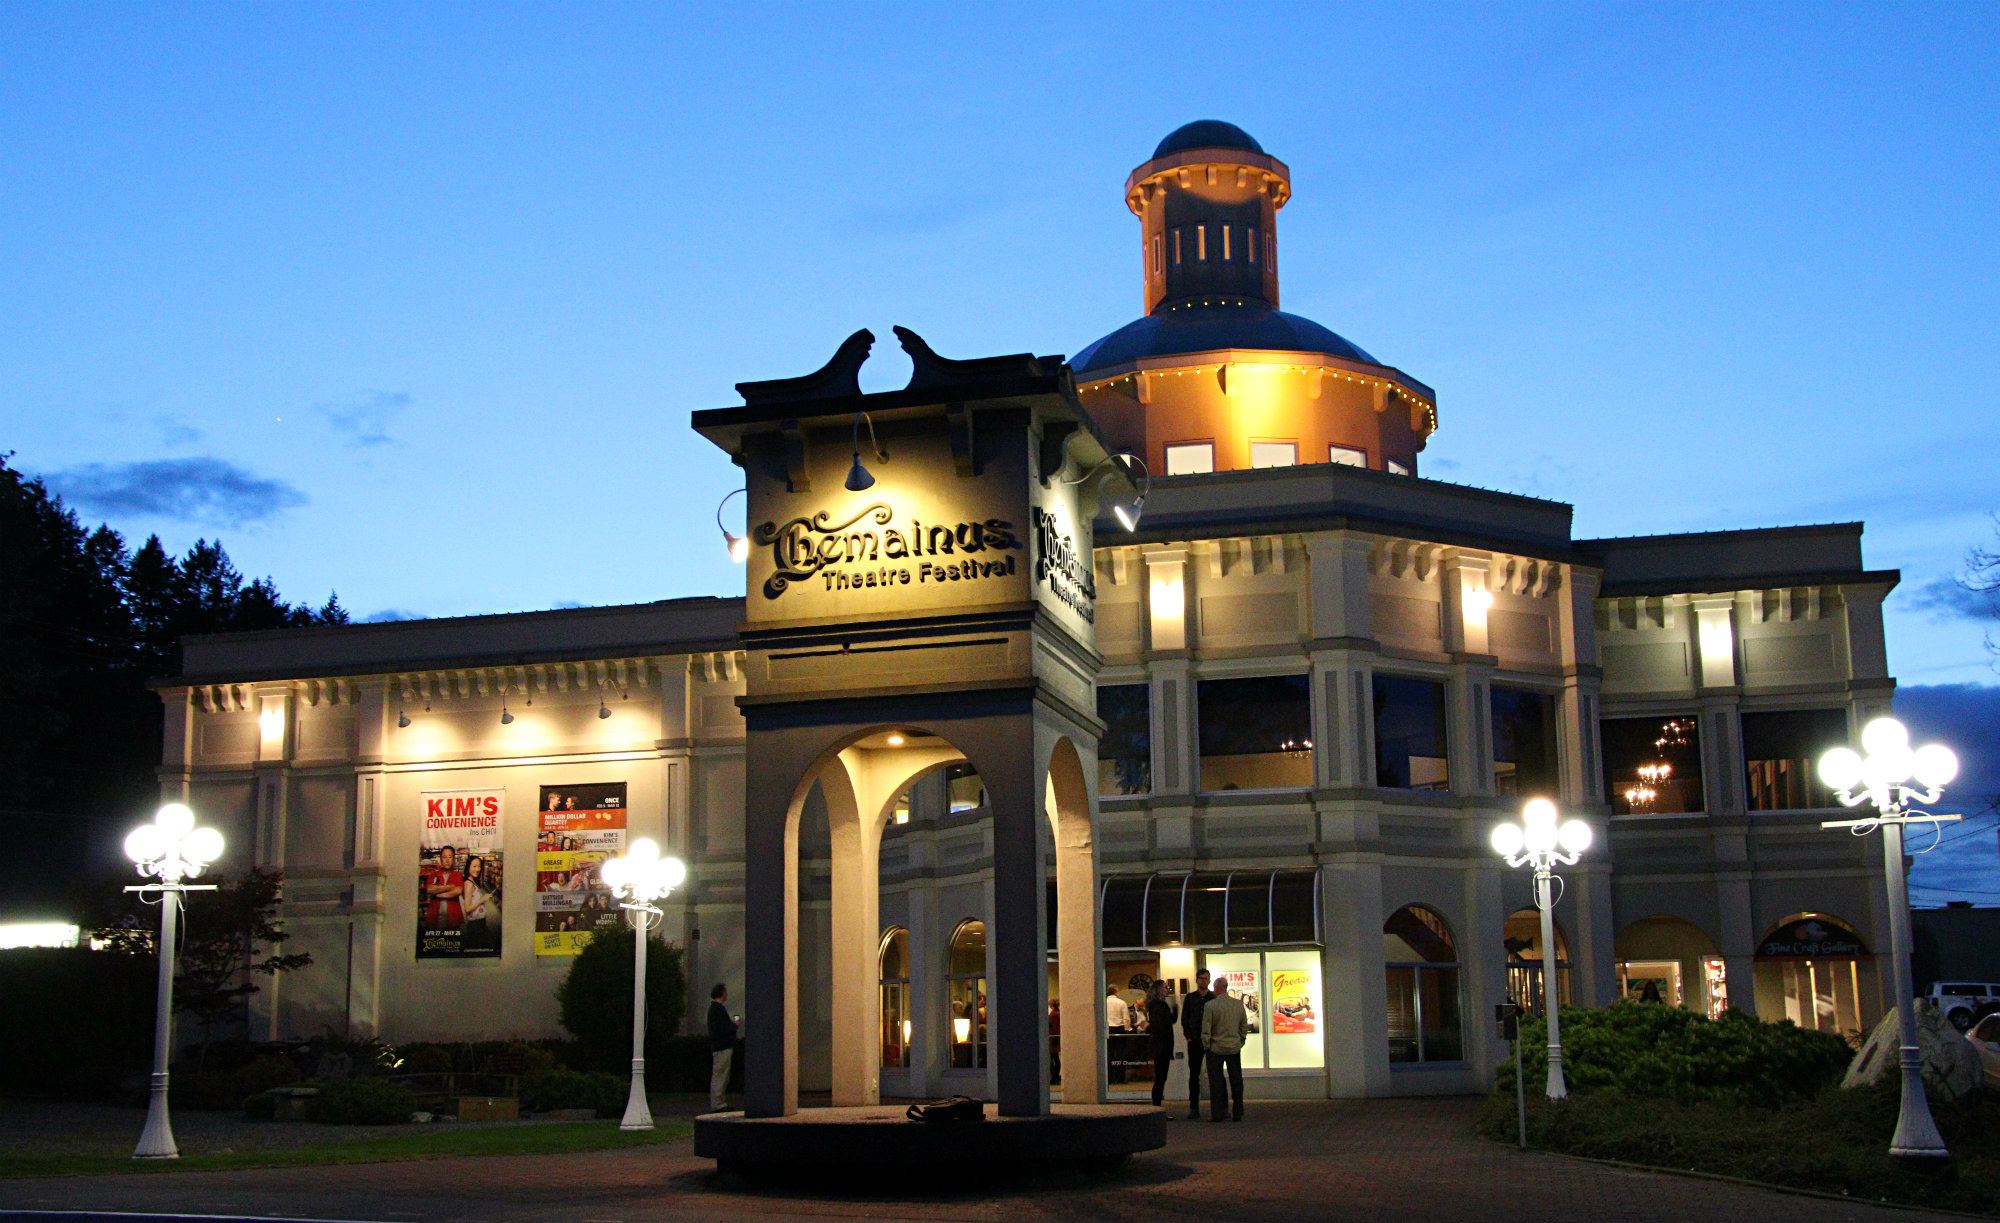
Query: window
[
  {"x": 1652, "y": 766},
  {"x": 1177, "y": 246},
  {"x": 1347, "y": 456},
  {"x": 1397, "y": 469},
  {"x": 1254, "y": 908},
  {"x": 1190, "y": 458},
  {"x": 963, "y": 789},
  {"x": 1281, "y": 992},
  {"x": 1256, "y": 733},
  {"x": 1524, "y": 742},
  {"x": 1125, "y": 753},
  {"x": 1250, "y": 243},
  {"x": 894, "y": 964},
  {"x": 1201, "y": 243},
  {"x": 1522, "y": 938},
  {"x": 1422, "y": 965},
  {"x": 1410, "y": 734},
  {"x": 965, "y": 983},
  {"x": 1781, "y": 754},
  {"x": 1274, "y": 454},
  {"x": 1159, "y": 256},
  {"x": 1225, "y": 243}
]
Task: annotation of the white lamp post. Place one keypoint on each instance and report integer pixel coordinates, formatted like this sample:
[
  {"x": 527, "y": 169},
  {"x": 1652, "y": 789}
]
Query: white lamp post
[
  {"x": 172, "y": 850},
  {"x": 1543, "y": 839},
  {"x": 639, "y": 877},
  {"x": 1884, "y": 778}
]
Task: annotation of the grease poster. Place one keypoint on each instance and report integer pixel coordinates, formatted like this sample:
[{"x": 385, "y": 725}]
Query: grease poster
[{"x": 1291, "y": 1003}]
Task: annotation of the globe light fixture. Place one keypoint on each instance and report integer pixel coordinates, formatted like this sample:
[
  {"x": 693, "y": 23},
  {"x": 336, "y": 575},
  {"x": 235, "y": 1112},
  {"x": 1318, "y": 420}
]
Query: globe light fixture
[
  {"x": 1541, "y": 840},
  {"x": 738, "y": 545},
  {"x": 640, "y": 878},
  {"x": 171, "y": 850},
  {"x": 1890, "y": 776}
]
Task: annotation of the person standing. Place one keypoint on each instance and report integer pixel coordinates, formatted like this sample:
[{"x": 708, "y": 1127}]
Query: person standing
[
  {"x": 1160, "y": 1037},
  {"x": 1191, "y": 1009},
  {"x": 1117, "y": 1012},
  {"x": 1224, "y": 1027},
  {"x": 721, "y": 1046}
]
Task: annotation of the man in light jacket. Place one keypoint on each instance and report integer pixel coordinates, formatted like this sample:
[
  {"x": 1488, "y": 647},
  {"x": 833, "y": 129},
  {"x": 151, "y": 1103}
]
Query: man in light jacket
[{"x": 1225, "y": 1025}]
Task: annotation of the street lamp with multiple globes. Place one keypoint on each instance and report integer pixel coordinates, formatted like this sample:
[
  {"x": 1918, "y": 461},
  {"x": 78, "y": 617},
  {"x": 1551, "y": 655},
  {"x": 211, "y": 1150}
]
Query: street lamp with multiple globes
[
  {"x": 172, "y": 850},
  {"x": 640, "y": 877},
  {"x": 1543, "y": 838},
  {"x": 1884, "y": 778}
]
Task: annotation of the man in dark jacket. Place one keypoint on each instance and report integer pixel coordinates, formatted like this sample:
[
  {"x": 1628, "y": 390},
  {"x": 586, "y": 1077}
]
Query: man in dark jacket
[
  {"x": 1191, "y": 1008},
  {"x": 721, "y": 1046}
]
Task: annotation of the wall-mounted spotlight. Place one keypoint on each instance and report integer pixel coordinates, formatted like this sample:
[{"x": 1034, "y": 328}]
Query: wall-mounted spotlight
[
  {"x": 858, "y": 479},
  {"x": 506, "y": 716},
  {"x": 603, "y": 710},
  {"x": 402, "y": 719},
  {"x": 1126, "y": 512},
  {"x": 739, "y": 546}
]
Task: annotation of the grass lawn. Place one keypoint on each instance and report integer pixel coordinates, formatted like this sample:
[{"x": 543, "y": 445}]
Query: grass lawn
[
  {"x": 1836, "y": 1143},
  {"x": 552, "y": 1138}
]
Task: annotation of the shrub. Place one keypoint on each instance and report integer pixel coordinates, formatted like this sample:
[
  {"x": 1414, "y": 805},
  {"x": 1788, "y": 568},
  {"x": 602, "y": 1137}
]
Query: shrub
[
  {"x": 360, "y": 1102},
  {"x": 103, "y": 1035},
  {"x": 1663, "y": 1052},
  {"x": 228, "y": 1087},
  {"x": 596, "y": 998},
  {"x": 555, "y": 1089}
]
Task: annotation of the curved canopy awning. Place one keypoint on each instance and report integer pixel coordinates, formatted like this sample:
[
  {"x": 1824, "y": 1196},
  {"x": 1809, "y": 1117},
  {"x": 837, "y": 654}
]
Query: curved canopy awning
[{"x": 1210, "y": 909}]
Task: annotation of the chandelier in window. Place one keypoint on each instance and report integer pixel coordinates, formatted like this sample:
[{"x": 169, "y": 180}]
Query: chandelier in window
[
  {"x": 1296, "y": 747},
  {"x": 1642, "y": 793}
]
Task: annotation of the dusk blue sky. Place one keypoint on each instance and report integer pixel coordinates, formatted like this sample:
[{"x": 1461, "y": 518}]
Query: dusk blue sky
[{"x": 412, "y": 303}]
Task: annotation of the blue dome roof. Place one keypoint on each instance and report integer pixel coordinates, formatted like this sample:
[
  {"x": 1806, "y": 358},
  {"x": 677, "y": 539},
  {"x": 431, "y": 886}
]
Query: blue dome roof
[
  {"x": 1185, "y": 328},
  {"x": 1207, "y": 134}
]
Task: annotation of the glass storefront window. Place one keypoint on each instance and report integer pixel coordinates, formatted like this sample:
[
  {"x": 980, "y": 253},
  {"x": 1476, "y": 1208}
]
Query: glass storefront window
[
  {"x": 1422, "y": 962},
  {"x": 1256, "y": 732},
  {"x": 1203, "y": 902},
  {"x": 1244, "y": 971},
  {"x": 1163, "y": 911},
  {"x": 895, "y": 982},
  {"x": 1522, "y": 938},
  {"x": 1125, "y": 753},
  {"x": 1652, "y": 765},
  {"x": 1781, "y": 752},
  {"x": 965, "y": 982},
  {"x": 1280, "y": 989},
  {"x": 1410, "y": 734},
  {"x": 1524, "y": 742}
]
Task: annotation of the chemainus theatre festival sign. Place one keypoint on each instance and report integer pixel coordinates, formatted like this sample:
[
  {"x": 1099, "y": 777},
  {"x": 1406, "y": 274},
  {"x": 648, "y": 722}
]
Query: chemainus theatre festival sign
[{"x": 870, "y": 550}]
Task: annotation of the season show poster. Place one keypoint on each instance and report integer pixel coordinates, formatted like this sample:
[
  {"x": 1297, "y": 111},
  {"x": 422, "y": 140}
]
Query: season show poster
[
  {"x": 458, "y": 874},
  {"x": 580, "y": 826},
  {"x": 1291, "y": 1002}
]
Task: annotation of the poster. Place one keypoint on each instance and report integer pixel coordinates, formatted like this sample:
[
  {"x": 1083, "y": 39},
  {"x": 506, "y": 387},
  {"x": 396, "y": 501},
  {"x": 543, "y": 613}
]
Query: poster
[
  {"x": 459, "y": 880},
  {"x": 1243, "y": 985},
  {"x": 578, "y": 827},
  {"x": 1292, "y": 1002}
]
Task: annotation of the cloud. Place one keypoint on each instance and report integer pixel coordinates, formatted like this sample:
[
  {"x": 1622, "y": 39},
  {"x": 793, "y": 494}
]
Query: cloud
[
  {"x": 201, "y": 489},
  {"x": 176, "y": 432},
  {"x": 1947, "y": 598},
  {"x": 365, "y": 423},
  {"x": 1966, "y": 862},
  {"x": 390, "y": 615}
]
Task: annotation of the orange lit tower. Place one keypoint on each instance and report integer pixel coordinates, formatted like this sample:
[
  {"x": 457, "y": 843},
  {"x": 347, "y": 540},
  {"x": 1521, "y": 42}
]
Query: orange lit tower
[{"x": 1215, "y": 377}]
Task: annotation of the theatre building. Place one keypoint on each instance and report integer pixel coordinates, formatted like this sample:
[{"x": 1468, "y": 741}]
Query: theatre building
[{"x": 1271, "y": 722}]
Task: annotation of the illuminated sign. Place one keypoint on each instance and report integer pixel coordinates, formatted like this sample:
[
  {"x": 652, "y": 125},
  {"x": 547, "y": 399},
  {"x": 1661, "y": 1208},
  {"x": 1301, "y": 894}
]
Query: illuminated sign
[
  {"x": 867, "y": 551},
  {"x": 1062, "y": 568}
]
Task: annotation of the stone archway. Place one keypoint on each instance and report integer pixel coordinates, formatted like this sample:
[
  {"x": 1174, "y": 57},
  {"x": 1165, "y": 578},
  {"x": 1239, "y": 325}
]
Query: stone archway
[{"x": 1071, "y": 811}]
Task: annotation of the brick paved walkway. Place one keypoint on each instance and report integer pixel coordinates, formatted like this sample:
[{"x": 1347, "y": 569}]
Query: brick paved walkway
[{"x": 1385, "y": 1160}]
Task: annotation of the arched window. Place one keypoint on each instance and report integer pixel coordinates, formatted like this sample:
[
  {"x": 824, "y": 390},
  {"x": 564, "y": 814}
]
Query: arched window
[
  {"x": 965, "y": 984},
  {"x": 1822, "y": 969},
  {"x": 1422, "y": 962},
  {"x": 894, "y": 962},
  {"x": 1522, "y": 937}
]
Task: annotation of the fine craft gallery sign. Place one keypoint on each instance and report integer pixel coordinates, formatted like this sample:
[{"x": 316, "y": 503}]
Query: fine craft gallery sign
[{"x": 870, "y": 550}]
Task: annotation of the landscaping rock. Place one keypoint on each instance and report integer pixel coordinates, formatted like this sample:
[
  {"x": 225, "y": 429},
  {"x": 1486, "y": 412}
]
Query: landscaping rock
[{"x": 1951, "y": 1066}]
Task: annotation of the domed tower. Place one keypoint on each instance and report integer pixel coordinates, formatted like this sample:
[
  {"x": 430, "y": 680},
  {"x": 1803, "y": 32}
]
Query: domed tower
[{"x": 1215, "y": 377}]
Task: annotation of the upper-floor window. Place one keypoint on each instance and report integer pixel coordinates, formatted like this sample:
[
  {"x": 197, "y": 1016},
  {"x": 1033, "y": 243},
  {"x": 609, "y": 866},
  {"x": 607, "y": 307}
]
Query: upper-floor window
[
  {"x": 1652, "y": 765},
  {"x": 1410, "y": 734},
  {"x": 1201, "y": 242},
  {"x": 1125, "y": 752},
  {"x": 1397, "y": 469},
  {"x": 1250, "y": 243},
  {"x": 1255, "y": 732},
  {"x": 1347, "y": 456},
  {"x": 1190, "y": 458},
  {"x": 963, "y": 789},
  {"x": 1781, "y": 752},
  {"x": 1274, "y": 454},
  {"x": 1524, "y": 742},
  {"x": 1177, "y": 246},
  {"x": 1225, "y": 242}
]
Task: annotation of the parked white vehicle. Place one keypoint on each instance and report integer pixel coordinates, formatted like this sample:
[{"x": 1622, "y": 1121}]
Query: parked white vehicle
[{"x": 1964, "y": 1003}]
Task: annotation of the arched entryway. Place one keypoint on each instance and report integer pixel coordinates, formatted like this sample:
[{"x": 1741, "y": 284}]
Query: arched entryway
[
  {"x": 1670, "y": 960},
  {"x": 1815, "y": 970},
  {"x": 1522, "y": 938}
]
